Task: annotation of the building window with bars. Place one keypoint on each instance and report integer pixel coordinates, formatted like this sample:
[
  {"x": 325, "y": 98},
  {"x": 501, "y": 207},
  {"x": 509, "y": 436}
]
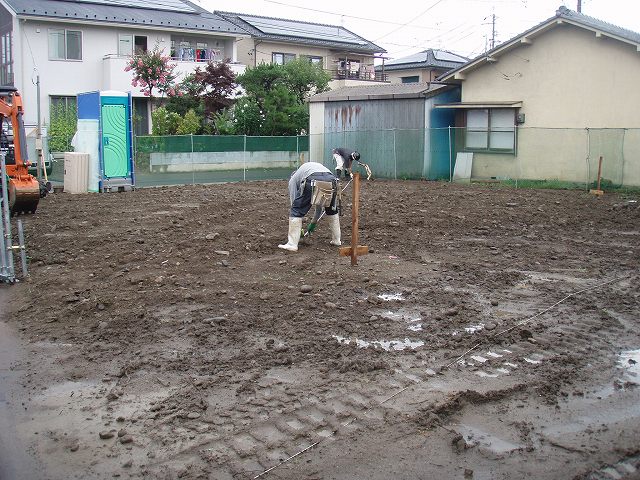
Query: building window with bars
[{"x": 6, "y": 59}]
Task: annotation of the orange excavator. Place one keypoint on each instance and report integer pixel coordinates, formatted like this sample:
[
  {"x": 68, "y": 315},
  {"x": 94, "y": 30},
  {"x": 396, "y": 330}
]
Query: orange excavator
[{"x": 24, "y": 189}]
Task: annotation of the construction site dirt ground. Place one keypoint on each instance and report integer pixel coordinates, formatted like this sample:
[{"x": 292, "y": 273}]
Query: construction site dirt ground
[{"x": 489, "y": 333}]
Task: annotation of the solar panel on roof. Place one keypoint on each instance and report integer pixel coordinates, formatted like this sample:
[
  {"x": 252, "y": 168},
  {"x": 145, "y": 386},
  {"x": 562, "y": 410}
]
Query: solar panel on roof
[
  {"x": 170, "y": 5},
  {"x": 447, "y": 57},
  {"x": 303, "y": 30}
]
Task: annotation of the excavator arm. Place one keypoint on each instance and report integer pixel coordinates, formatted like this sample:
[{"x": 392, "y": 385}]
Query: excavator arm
[{"x": 24, "y": 189}]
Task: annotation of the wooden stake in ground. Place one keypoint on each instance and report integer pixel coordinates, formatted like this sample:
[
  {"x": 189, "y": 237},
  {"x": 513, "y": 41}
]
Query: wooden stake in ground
[
  {"x": 354, "y": 250},
  {"x": 597, "y": 191}
]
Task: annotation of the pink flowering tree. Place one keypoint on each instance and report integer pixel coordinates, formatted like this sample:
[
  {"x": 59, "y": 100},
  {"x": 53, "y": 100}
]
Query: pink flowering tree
[{"x": 153, "y": 73}]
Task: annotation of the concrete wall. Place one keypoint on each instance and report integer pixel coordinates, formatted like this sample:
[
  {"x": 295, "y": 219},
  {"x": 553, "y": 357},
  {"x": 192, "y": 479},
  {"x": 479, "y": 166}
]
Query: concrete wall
[
  {"x": 99, "y": 69},
  {"x": 210, "y": 161},
  {"x": 568, "y": 78}
]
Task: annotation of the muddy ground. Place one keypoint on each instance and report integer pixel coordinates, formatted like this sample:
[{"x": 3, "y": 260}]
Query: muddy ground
[{"x": 490, "y": 333}]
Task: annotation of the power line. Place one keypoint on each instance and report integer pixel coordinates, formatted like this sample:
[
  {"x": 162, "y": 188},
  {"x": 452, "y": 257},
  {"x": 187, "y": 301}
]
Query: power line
[{"x": 410, "y": 21}]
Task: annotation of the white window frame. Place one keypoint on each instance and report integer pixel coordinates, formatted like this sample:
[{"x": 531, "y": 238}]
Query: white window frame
[
  {"x": 486, "y": 130},
  {"x": 53, "y": 55},
  {"x": 125, "y": 37},
  {"x": 286, "y": 57}
]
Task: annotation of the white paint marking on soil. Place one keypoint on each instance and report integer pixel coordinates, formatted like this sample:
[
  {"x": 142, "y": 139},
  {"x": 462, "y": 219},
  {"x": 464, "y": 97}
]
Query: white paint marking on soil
[
  {"x": 503, "y": 370},
  {"x": 529, "y": 360},
  {"x": 386, "y": 345},
  {"x": 506, "y": 351},
  {"x": 494, "y": 355},
  {"x": 416, "y": 327},
  {"x": 509, "y": 364}
]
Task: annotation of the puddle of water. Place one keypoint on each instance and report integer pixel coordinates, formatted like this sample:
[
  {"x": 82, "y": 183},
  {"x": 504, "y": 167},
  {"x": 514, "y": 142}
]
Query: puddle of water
[
  {"x": 474, "y": 328},
  {"x": 486, "y": 440},
  {"x": 630, "y": 361},
  {"x": 388, "y": 297},
  {"x": 478, "y": 358},
  {"x": 384, "y": 344},
  {"x": 532, "y": 361}
]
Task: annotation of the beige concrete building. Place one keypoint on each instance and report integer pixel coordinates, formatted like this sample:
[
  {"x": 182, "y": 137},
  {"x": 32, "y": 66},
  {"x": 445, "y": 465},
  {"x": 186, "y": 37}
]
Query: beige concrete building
[
  {"x": 549, "y": 102},
  {"x": 348, "y": 57}
]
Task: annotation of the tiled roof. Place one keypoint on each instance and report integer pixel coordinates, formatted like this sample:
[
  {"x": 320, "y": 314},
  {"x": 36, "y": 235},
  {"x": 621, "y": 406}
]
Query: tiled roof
[
  {"x": 425, "y": 59},
  {"x": 380, "y": 92},
  {"x": 192, "y": 17},
  {"x": 562, "y": 14},
  {"x": 294, "y": 31}
]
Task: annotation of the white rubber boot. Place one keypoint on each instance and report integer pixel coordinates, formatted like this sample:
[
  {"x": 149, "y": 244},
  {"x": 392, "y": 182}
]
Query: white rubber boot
[
  {"x": 334, "y": 223},
  {"x": 295, "y": 230}
]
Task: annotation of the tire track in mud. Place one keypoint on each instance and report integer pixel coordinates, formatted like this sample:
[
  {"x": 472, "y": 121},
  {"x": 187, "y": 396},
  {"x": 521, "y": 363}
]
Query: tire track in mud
[{"x": 263, "y": 445}]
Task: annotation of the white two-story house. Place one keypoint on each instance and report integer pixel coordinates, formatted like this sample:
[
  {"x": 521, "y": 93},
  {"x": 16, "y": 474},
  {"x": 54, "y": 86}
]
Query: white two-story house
[{"x": 82, "y": 45}]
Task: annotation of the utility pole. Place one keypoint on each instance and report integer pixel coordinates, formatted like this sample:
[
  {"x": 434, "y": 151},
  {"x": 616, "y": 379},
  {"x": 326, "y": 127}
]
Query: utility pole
[
  {"x": 579, "y": 6},
  {"x": 493, "y": 31},
  {"x": 39, "y": 153}
]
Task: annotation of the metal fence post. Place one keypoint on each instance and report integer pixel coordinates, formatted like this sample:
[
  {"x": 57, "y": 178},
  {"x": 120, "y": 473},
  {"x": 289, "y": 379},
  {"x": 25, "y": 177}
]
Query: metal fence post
[
  {"x": 6, "y": 271},
  {"x": 395, "y": 157},
  {"x": 193, "y": 172},
  {"x": 244, "y": 160},
  {"x": 450, "y": 157}
]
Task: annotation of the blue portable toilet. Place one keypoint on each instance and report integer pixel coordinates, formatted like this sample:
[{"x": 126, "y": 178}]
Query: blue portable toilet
[{"x": 105, "y": 131}]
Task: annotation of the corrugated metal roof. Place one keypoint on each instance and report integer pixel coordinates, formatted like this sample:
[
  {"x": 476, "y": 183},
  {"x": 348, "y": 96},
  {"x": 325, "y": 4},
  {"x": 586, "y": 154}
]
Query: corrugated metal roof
[
  {"x": 294, "y": 31},
  {"x": 380, "y": 91},
  {"x": 117, "y": 12},
  {"x": 563, "y": 13}
]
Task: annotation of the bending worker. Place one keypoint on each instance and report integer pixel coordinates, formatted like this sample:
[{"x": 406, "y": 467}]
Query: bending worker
[
  {"x": 301, "y": 186},
  {"x": 344, "y": 158}
]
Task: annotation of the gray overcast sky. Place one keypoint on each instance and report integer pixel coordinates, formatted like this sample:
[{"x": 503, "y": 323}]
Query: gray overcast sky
[{"x": 403, "y": 27}]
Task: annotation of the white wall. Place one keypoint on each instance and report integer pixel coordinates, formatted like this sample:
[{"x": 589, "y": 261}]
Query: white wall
[{"x": 94, "y": 72}]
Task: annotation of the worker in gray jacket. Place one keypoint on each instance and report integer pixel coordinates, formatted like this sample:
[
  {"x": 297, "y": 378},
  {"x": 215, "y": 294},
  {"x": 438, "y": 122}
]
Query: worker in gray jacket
[
  {"x": 344, "y": 158},
  {"x": 300, "y": 193}
]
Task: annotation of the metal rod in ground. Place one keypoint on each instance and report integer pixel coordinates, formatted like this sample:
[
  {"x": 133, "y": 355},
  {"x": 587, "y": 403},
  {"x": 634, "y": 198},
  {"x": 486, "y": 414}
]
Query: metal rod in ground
[
  {"x": 355, "y": 209},
  {"x": 23, "y": 250}
]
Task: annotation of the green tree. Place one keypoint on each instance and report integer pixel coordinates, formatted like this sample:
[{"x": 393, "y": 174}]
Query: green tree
[
  {"x": 188, "y": 97},
  {"x": 280, "y": 93},
  {"x": 191, "y": 124},
  {"x": 63, "y": 124},
  {"x": 151, "y": 71},
  {"x": 165, "y": 122}
]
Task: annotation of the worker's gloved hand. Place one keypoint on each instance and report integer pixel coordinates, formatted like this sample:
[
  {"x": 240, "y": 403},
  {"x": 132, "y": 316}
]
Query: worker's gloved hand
[
  {"x": 347, "y": 175},
  {"x": 311, "y": 227}
]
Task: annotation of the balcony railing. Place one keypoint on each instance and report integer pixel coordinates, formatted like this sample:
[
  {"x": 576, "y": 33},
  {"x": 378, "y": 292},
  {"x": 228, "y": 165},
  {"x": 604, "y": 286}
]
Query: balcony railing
[{"x": 367, "y": 75}]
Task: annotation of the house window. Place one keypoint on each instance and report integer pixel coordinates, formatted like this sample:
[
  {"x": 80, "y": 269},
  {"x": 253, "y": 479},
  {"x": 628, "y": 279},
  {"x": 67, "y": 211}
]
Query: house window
[
  {"x": 128, "y": 44},
  {"x": 315, "y": 60},
  {"x": 6, "y": 60},
  {"x": 491, "y": 129},
  {"x": 282, "y": 58},
  {"x": 412, "y": 79},
  {"x": 65, "y": 44}
]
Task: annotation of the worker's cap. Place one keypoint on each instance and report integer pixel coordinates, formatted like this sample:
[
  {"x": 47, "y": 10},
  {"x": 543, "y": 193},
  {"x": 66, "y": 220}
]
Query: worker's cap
[{"x": 355, "y": 156}]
